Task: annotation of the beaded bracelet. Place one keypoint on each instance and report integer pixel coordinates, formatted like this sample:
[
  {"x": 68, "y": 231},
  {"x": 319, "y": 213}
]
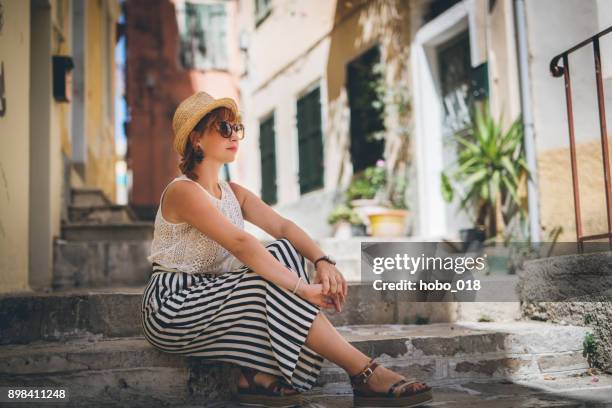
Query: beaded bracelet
[{"x": 297, "y": 284}]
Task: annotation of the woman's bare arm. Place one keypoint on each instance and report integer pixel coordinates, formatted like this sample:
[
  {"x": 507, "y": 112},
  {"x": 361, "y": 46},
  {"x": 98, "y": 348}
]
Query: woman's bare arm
[
  {"x": 189, "y": 203},
  {"x": 256, "y": 211}
]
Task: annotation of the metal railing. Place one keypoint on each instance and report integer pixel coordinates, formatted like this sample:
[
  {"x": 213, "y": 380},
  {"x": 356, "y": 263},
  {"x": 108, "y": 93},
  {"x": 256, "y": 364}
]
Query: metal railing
[{"x": 564, "y": 71}]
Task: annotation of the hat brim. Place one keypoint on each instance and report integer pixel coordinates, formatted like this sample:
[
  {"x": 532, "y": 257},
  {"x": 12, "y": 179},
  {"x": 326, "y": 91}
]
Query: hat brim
[{"x": 193, "y": 120}]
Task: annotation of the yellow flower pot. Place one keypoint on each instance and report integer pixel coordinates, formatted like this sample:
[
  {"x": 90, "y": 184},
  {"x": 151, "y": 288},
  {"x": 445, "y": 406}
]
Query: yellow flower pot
[{"x": 388, "y": 223}]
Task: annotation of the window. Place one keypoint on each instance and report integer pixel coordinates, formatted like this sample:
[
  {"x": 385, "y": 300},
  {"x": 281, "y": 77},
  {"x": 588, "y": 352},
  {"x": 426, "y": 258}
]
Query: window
[
  {"x": 203, "y": 32},
  {"x": 310, "y": 141},
  {"x": 461, "y": 86},
  {"x": 267, "y": 147},
  {"x": 366, "y": 119},
  {"x": 263, "y": 8},
  {"x": 437, "y": 7}
]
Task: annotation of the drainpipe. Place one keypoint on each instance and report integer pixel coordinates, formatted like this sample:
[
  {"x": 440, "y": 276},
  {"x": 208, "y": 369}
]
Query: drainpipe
[{"x": 528, "y": 134}]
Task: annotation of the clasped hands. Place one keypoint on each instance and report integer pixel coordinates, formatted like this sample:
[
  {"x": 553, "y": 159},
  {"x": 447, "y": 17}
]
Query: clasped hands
[{"x": 329, "y": 288}]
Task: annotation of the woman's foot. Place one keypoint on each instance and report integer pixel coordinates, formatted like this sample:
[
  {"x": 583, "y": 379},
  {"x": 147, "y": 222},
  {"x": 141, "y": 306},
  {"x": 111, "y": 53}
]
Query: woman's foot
[
  {"x": 256, "y": 388},
  {"x": 383, "y": 378},
  {"x": 265, "y": 379}
]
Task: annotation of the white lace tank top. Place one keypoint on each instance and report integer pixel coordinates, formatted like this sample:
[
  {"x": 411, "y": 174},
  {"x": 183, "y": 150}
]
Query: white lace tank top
[{"x": 181, "y": 246}]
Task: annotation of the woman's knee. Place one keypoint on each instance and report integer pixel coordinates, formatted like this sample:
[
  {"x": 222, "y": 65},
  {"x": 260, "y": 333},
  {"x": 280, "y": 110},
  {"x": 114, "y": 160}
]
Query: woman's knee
[
  {"x": 287, "y": 254},
  {"x": 293, "y": 249}
]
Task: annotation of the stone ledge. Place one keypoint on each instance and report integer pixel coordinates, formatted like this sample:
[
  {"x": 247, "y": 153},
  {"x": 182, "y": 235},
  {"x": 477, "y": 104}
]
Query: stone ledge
[
  {"x": 129, "y": 370},
  {"x": 115, "y": 312}
]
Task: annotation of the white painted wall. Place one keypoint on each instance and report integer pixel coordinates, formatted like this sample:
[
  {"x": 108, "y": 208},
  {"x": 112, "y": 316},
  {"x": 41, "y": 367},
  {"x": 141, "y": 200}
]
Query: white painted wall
[
  {"x": 280, "y": 96},
  {"x": 554, "y": 26}
]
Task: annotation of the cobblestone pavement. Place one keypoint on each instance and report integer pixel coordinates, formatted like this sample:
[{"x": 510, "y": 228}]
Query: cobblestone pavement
[{"x": 581, "y": 391}]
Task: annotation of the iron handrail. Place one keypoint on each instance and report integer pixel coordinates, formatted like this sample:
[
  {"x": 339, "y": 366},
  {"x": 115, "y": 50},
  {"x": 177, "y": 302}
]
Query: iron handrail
[{"x": 564, "y": 71}]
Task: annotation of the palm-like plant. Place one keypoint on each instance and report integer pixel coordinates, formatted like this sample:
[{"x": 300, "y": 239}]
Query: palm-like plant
[{"x": 489, "y": 168}]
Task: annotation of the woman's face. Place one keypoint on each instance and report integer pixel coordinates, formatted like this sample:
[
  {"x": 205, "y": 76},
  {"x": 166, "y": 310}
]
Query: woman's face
[{"x": 216, "y": 145}]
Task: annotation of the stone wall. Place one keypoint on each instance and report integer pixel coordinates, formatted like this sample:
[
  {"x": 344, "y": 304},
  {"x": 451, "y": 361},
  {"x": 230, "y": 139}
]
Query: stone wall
[
  {"x": 598, "y": 314},
  {"x": 543, "y": 279},
  {"x": 556, "y": 194}
]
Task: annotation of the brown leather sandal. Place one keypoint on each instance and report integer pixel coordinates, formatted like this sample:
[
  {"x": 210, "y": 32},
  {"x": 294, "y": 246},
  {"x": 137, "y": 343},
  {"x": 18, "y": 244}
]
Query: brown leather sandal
[
  {"x": 398, "y": 395},
  {"x": 278, "y": 394}
]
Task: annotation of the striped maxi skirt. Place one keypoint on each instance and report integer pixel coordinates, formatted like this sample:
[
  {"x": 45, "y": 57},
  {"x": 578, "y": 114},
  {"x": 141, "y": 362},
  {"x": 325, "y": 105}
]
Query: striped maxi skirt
[{"x": 236, "y": 317}]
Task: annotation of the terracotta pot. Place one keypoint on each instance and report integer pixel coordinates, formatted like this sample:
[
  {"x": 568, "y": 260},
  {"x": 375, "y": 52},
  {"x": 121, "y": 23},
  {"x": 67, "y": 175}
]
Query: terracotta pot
[{"x": 388, "y": 222}]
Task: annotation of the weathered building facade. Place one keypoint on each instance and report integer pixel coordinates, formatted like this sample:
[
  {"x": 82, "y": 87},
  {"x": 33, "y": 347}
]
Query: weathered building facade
[
  {"x": 52, "y": 139},
  {"x": 307, "y": 90},
  {"x": 174, "y": 49}
]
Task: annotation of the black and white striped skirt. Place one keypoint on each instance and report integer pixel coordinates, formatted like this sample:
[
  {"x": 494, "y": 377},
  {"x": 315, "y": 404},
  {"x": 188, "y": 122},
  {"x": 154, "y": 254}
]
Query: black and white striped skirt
[{"x": 237, "y": 317}]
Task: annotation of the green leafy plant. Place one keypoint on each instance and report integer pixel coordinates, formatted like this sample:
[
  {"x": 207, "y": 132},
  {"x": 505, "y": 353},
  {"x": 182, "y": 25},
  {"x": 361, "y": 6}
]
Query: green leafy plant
[
  {"x": 387, "y": 97},
  {"x": 393, "y": 100},
  {"x": 367, "y": 183},
  {"x": 490, "y": 165},
  {"x": 589, "y": 348},
  {"x": 343, "y": 212},
  {"x": 374, "y": 182}
]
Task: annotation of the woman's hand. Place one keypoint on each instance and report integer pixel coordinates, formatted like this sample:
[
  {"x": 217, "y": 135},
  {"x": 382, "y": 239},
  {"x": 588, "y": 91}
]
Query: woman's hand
[
  {"x": 333, "y": 282},
  {"x": 313, "y": 292}
]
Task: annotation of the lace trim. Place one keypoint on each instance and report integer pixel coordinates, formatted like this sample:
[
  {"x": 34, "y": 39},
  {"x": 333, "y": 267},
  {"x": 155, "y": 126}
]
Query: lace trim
[{"x": 184, "y": 247}]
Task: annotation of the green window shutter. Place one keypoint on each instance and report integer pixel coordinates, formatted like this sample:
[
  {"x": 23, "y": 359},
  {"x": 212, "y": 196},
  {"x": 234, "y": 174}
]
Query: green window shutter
[
  {"x": 310, "y": 141},
  {"x": 267, "y": 147}
]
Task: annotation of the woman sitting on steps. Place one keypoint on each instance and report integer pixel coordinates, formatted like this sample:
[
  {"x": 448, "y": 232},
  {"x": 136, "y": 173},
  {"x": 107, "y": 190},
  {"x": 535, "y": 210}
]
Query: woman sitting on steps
[{"x": 216, "y": 292}]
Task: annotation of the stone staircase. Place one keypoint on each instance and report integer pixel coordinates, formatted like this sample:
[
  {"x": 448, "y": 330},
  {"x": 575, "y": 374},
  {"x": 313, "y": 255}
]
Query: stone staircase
[
  {"x": 89, "y": 342},
  {"x": 102, "y": 244},
  {"x": 86, "y": 337}
]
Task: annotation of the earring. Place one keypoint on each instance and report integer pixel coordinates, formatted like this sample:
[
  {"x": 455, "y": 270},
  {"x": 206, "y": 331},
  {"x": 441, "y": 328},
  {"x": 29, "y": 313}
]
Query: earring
[{"x": 199, "y": 153}]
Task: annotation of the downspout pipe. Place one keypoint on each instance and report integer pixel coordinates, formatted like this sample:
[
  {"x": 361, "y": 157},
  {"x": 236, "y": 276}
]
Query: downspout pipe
[{"x": 527, "y": 115}]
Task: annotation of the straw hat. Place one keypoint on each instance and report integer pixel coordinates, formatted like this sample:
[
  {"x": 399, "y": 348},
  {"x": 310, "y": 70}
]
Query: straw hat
[{"x": 189, "y": 113}]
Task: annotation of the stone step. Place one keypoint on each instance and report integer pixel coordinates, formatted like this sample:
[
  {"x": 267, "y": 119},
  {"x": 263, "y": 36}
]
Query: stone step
[
  {"x": 80, "y": 264},
  {"x": 132, "y": 231},
  {"x": 69, "y": 314},
  {"x": 88, "y": 196},
  {"x": 126, "y": 369},
  {"x": 101, "y": 214},
  {"x": 115, "y": 311},
  {"x": 115, "y": 372},
  {"x": 460, "y": 351},
  {"x": 572, "y": 288}
]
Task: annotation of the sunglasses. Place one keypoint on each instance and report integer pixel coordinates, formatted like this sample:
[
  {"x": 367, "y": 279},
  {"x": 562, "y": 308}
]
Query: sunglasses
[{"x": 227, "y": 129}]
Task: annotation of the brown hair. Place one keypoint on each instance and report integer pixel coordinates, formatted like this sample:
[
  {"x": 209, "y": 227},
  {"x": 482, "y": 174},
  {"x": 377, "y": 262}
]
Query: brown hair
[{"x": 192, "y": 156}]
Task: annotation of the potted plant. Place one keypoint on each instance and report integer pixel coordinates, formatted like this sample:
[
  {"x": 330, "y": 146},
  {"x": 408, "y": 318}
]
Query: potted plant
[
  {"x": 488, "y": 171},
  {"x": 344, "y": 220},
  {"x": 390, "y": 220},
  {"x": 366, "y": 185},
  {"x": 394, "y": 98},
  {"x": 365, "y": 190}
]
